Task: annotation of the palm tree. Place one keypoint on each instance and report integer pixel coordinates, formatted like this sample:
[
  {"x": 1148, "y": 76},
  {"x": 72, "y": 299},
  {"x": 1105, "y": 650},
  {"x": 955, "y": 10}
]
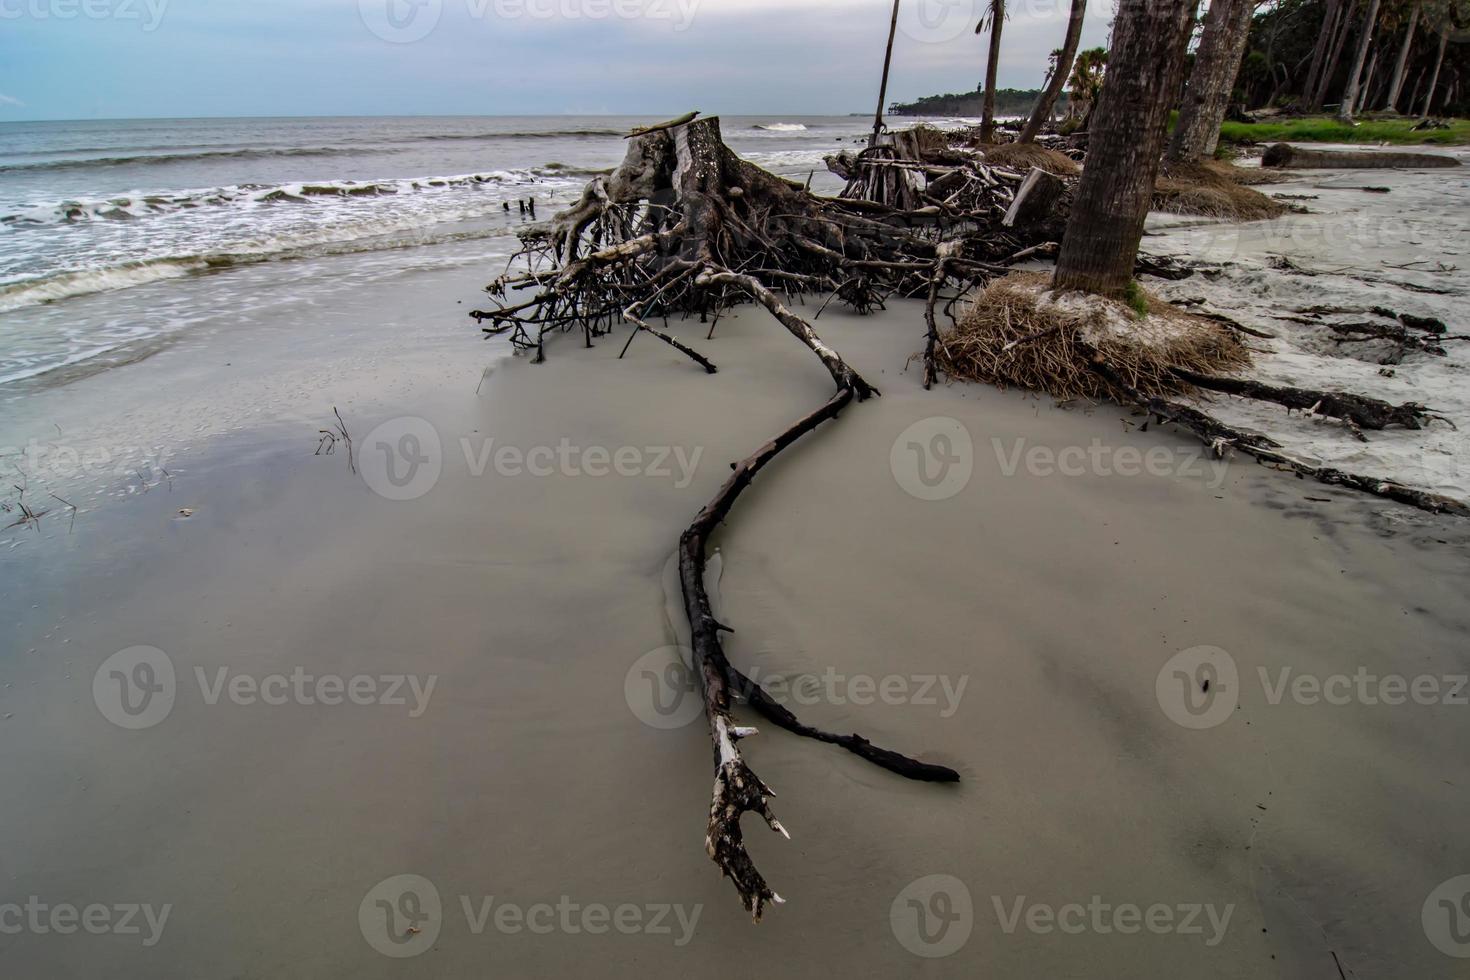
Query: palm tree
[
  {"x": 994, "y": 19},
  {"x": 1350, "y": 94},
  {"x": 1396, "y": 86},
  {"x": 1216, "y": 65},
  {"x": 1060, "y": 70},
  {"x": 1145, "y": 63}
]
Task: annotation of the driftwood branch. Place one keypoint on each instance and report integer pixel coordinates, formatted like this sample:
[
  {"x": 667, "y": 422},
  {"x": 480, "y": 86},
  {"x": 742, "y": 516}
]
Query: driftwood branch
[
  {"x": 1360, "y": 410},
  {"x": 1221, "y": 437}
]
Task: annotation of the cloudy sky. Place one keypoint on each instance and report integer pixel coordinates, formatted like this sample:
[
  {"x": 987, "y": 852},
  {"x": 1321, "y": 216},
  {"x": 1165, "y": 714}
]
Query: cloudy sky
[{"x": 77, "y": 59}]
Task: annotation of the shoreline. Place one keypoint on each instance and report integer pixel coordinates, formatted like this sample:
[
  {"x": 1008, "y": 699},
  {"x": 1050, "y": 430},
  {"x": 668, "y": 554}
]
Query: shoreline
[{"x": 531, "y": 773}]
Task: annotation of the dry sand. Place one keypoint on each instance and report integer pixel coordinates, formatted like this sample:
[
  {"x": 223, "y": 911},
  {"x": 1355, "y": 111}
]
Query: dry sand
[{"x": 1054, "y": 599}]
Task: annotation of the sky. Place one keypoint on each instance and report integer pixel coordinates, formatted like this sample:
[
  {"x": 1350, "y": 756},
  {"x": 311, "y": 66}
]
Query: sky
[{"x": 90, "y": 59}]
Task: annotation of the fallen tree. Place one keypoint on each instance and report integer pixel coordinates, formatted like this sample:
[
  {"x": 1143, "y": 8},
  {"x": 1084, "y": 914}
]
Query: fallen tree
[
  {"x": 684, "y": 228},
  {"x": 1288, "y": 157}
]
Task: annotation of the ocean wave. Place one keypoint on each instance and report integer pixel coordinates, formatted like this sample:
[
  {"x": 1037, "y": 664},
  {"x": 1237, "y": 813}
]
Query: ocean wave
[
  {"x": 131, "y": 206},
  {"x": 379, "y": 237},
  {"x": 781, "y": 127},
  {"x": 529, "y": 135},
  {"x": 156, "y": 159}
]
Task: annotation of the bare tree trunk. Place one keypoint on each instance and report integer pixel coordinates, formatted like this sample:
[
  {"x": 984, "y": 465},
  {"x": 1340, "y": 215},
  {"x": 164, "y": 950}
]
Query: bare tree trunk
[
  {"x": 1395, "y": 88},
  {"x": 883, "y": 88},
  {"x": 1216, "y": 64},
  {"x": 1365, "y": 94},
  {"x": 1350, "y": 94},
  {"x": 1113, "y": 196},
  {"x": 1329, "y": 67},
  {"x": 1444, "y": 38},
  {"x": 992, "y": 65},
  {"x": 1044, "y": 105},
  {"x": 1414, "y": 95},
  {"x": 1319, "y": 50}
]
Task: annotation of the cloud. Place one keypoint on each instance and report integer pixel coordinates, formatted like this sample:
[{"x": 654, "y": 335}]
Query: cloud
[{"x": 8, "y": 100}]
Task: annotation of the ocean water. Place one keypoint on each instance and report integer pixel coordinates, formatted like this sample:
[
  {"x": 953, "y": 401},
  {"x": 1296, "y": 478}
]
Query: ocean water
[{"x": 117, "y": 236}]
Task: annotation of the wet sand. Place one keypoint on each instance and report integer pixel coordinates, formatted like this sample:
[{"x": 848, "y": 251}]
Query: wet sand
[{"x": 531, "y": 774}]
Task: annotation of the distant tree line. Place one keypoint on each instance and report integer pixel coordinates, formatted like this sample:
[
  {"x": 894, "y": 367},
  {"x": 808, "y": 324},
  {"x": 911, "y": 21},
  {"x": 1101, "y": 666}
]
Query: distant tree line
[{"x": 1008, "y": 102}]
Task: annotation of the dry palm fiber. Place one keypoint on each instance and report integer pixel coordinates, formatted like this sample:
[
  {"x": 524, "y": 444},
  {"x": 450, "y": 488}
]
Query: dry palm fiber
[{"x": 1019, "y": 332}]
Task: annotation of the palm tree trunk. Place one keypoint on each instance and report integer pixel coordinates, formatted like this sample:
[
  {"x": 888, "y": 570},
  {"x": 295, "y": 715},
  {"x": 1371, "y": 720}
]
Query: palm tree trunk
[
  {"x": 1044, "y": 105},
  {"x": 1444, "y": 38},
  {"x": 992, "y": 65},
  {"x": 1350, "y": 94},
  {"x": 1319, "y": 50},
  {"x": 1329, "y": 67},
  {"x": 1414, "y": 95},
  {"x": 1396, "y": 87},
  {"x": 1144, "y": 65},
  {"x": 1216, "y": 64},
  {"x": 883, "y": 88}
]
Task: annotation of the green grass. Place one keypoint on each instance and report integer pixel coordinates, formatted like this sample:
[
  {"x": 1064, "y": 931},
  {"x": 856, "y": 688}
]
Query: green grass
[
  {"x": 1134, "y": 296},
  {"x": 1325, "y": 129}
]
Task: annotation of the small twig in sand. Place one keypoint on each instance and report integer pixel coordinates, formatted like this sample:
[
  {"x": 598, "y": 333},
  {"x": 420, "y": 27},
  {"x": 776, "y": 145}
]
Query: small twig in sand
[
  {"x": 330, "y": 437},
  {"x": 73, "y": 512}
]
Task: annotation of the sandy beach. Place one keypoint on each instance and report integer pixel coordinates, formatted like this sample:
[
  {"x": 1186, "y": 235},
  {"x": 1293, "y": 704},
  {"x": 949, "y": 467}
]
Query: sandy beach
[{"x": 474, "y": 685}]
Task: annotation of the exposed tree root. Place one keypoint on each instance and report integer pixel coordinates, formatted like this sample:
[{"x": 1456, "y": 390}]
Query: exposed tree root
[
  {"x": 1357, "y": 410},
  {"x": 1221, "y": 438}
]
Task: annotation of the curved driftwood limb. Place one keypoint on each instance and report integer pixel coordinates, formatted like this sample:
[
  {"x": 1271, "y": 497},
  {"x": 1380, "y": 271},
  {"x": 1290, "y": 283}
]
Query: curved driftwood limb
[
  {"x": 1359, "y": 410},
  {"x": 1221, "y": 437},
  {"x": 778, "y": 714},
  {"x": 737, "y": 790},
  {"x": 842, "y": 373}
]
